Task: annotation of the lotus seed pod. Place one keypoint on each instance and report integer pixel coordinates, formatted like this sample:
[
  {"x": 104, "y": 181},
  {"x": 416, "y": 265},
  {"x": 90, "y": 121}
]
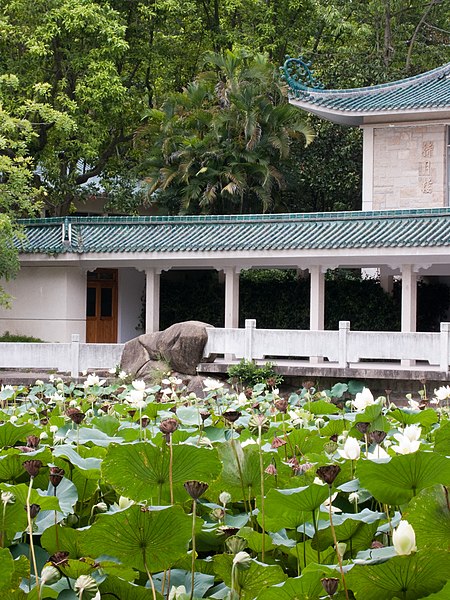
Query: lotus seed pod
[
  {"x": 50, "y": 575},
  {"x": 195, "y": 489},
  {"x": 86, "y": 587},
  {"x": 231, "y": 415},
  {"x": 56, "y": 475},
  {"x": 168, "y": 426},
  {"x": 32, "y": 467},
  {"x": 330, "y": 585},
  {"x": 224, "y": 498},
  {"x": 236, "y": 544},
  {"x": 328, "y": 473}
]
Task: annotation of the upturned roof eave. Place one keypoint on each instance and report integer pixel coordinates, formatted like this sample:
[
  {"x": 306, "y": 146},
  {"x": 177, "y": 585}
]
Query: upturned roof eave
[{"x": 360, "y": 118}]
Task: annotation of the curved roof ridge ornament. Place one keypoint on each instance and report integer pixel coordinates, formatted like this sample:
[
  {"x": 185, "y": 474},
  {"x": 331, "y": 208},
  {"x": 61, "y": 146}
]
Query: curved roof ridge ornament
[{"x": 299, "y": 76}]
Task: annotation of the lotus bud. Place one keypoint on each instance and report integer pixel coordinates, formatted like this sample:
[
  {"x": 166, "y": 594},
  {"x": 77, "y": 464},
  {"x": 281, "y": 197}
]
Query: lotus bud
[
  {"x": 195, "y": 489},
  {"x": 351, "y": 450},
  {"x": 224, "y": 498},
  {"x": 277, "y": 442},
  {"x": 404, "y": 539},
  {"x": 32, "y": 467},
  {"x": 86, "y": 587},
  {"x": 328, "y": 473},
  {"x": 218, "y": 514},
  {"x": 330, "y": 585},
  {"x": 341, "y": 548},
  {"x": 50, "y": 575},
  {"x": 125, "y": 502},
  {"x": 271, "y": 469},
  {"x": 330, "y": 447},
  {"x": 236, "y": 544},
  {"x": 56, "y": 475},
  {"x": 242, "y": 561}
]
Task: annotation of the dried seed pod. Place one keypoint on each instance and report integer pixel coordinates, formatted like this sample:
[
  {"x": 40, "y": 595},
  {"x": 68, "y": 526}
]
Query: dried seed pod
[
  {"x": 282, "y": 405},
  {"x": 328, "y": 473},
  {"x": 145, "y": 421},
  {"x": 59, "y": 558},
  {"x": 168, "y": 426},
  {"x": 330, "y": 585},
  {"x": 231, "y": 415},
  {"x": 377, "y": 436},
  {"x": 32, "y": 467},
  {"x": 86, "y": 587},
  {"x": 271, "y": 469},
  {"x": 362, "y": 427},
  {"x": 56, "y": 475},
  {"x": 34, "y": 510},
  {"x": 277, "y": 442},
  {"x": 258, "y": 421},
  {"x": 195, "y": 488},
  {"x": 33, "y": 441},
  {"x": 204, "y": 414},
  {"x": 75, "y": 415}
]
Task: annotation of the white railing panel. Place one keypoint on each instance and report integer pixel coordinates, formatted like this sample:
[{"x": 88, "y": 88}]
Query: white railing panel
[
  {"x": 39, "y": 356},
  {"x": 225, "y": 341},
  {"x": 296, "y": 343},
  {"x": 393, "y": 345},
  {"x": 99, "y": 356}
]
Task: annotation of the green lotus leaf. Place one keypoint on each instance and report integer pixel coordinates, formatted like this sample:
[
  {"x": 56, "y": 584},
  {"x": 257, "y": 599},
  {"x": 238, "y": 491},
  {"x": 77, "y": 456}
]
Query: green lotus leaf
[
  {"x": 407, "y": 577},
  {"x": 258, "y": 576},
  {"x": 236, "y": 462},
  {"x": 10, "y": 466},
  {"x": 90, "y": 465},
  {"x": 74, "y": 568},
  {"x": 321, "y": 407},
  {"x": 442, "y": 439},
  {"x": 107, "y": 424},
  {"x": 63, "y": 538},
  {"x": 443, "y": 594},
  {"x": 20, "y": 492},
  {"x": 89, "y": 435},
  {"x": 356, "y": 530},
  {"x": 370, "y": 413},
  {"x": 426, "y": 417},
  {"x": 10, "y": 434},
  {"x": 289, "y": 508},
  {"x": 338, "y": 390},
  {"x": 254, "y": 539},
  {"x": 7, "y": 569},
  {"x": 141, "y": 471},
  {"x": 305, "y": 555},
  {"x": 150, "y": 540},
  {"x": 202, "y": 581},
  {"x": 333, "y": 427},
  {"x": 397, "y": 481},
  {"x": 115, "y": 587},
  {"x": 429, "y": 515},
  {"x": 306, "y": 587}
]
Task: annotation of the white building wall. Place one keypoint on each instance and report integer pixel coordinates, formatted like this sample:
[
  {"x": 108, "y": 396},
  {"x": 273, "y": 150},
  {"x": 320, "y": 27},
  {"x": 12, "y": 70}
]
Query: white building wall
[
  {"x": 131, "y": 289},
  {"x": 48, "y": 303},
  {"x": 409, "y": 166}
]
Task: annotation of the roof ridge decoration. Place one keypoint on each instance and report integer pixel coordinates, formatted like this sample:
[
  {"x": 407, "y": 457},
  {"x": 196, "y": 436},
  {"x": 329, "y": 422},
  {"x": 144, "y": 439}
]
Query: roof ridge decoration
[{"x": 299, "y": 76}]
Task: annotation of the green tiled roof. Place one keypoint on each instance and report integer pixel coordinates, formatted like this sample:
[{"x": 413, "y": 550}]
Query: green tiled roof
[
  {"x": 428, "y": 91},
  {"x": 377, "y": 229}
]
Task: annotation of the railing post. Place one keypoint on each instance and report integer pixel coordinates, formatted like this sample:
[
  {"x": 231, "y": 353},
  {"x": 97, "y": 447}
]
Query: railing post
[
  {"x": 445, "y": 346},
  {"x": 75, "y": 355},
  {"x": 344, "y": 328},
  {"x": 250, "y": 326}
]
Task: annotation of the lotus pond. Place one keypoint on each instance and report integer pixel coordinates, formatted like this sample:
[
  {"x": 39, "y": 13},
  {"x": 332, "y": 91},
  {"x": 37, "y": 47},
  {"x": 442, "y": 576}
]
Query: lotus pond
[{"x": 123, "y": 491}]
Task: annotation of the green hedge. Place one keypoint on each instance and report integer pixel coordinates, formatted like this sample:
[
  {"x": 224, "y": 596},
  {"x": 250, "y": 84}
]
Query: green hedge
[{"x": 280, "y": 300}]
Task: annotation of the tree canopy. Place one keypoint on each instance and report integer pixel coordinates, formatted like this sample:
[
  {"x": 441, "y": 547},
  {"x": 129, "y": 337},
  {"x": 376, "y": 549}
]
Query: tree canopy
[{"x": 78, "y": 76}]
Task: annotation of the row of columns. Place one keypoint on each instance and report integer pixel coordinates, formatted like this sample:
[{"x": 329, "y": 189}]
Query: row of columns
[{"x": 317, "y": 298}]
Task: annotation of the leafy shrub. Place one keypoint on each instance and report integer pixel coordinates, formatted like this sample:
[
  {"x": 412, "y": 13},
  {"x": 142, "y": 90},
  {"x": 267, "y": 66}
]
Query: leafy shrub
[
  {"x": 10, "y": 337},
  {"x": 248, "y": 373}
]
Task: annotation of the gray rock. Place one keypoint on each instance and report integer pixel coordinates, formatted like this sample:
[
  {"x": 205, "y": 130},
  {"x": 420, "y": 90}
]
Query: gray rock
[{"x": 181, "y": 345}]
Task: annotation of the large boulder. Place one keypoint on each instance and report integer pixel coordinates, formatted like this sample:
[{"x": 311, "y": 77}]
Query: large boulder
[{"x": 181, "y": 345}]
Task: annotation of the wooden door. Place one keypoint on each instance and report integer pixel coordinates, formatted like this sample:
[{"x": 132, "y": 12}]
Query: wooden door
[{"x": 101, "y": 307}]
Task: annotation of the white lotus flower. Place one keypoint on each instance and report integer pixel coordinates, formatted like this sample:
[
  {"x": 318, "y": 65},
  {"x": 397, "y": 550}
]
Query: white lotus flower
[
  {"x": 351, "y": 449},
  {"x": 211, "y": 385},
  {"x": 353, "y": 497},
  {"x": 413, "y": 404},
  {"x": 325, "y": 506},
  {"x": 39, "y": 382},
  {"x": 379, "y": 453},
  {"x": 405, "y": 445},
  {"x": 363, "y": 399},
  {"x": 124, "y": 502},
  {"x": 412, "y": 432},
  {"x": 177, "y": 592},
  {"x": 442, "y": 393},
  {"x": 13, "y": 419},
  {"x": 139, "y": 385},
  {"x": 93, "y": 379},
  {"x": 122, "y": 375},
  {"x": 404, "y": 539}
]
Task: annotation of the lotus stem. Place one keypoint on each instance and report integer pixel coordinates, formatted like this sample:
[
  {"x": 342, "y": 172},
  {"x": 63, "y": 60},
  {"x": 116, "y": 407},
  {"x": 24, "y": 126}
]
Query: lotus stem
[
  {"x": 261, "y": 472},
  {"x": 194, "y": 514},
  {"x": 241, "y": 479},
  {"x": 316, "y": 531},
  {"x": 171, "y": 468},
  {"x": 150, "y": 578},
  {"x": 333, "y": 533},
  {"x": 30, "y": 529}
]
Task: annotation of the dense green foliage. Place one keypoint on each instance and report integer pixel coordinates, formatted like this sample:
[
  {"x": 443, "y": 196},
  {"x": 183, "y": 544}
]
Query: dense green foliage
[
  {"x": 279, "y": 299},
  {"x": 78, "y": 76}
]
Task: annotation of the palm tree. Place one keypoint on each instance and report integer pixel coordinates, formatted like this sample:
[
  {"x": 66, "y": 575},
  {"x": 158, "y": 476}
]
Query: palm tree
[{"x": 219, "y": 146}]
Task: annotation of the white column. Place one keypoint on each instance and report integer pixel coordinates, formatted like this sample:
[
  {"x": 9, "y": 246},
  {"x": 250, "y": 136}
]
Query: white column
[
  {"x": 367, "y": 168},
  {"x": 409, "y": 304},
  {"x": 152, "y": 283},
  {"x": 387, "y": 283},
  {"x": 317, "y": 303},
  {"x": 231, "y": 297},
  {"x": 409, "y": 298},
  {"x": 317, "y": 298}
]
